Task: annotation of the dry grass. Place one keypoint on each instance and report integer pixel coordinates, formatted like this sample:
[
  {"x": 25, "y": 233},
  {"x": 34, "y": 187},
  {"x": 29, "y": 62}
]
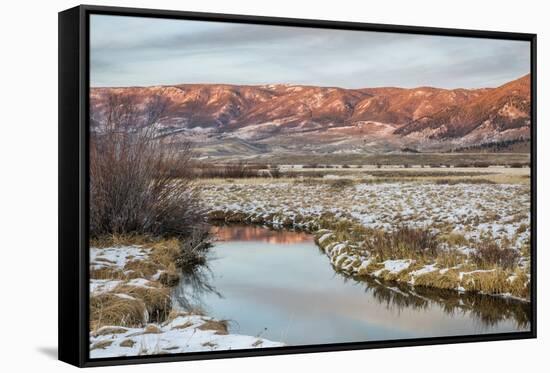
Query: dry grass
[
  {"x": 109, "y": 330},
  {"x": 101, "y": 344},
  {"x": 454, "y": 239},
  {"x": 448, "y": 280},
  {"x": 424, "y": 173},
  {"x": 398, "y": 159},
  {"x": 107, "y": 273},
  {"x": 109, "y": 309},
  {"x": 491, "y": 254},
  {"x": 493, "y": 282},
  {"x": 146, "y": 304},
  {"x": 517, "y": 287},
  {"x": 151, "y": 329},
  {"x": 404, "y": 242},
  {"x": 167, "y": 256},
  {"x": 218, "y": 326},
  {"x": 450, "y": 258},
  {"x": 368, "y": 223},
  {"x": 156, "y": 300},
  {"x": 185, "y": 325},
  {"x": 456, "y": 181},
  {"x": 127, "y": 343}
]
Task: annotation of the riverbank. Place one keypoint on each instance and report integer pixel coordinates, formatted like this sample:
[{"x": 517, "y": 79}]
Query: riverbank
[
  {"x": 466, "y": 237},
  {"x": 131, "y": 309}
]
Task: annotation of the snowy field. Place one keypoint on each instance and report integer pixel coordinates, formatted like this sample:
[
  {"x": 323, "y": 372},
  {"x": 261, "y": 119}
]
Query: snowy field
[
  {"x": 462, "y": 215},
  {"x": 184, "y": 333}
]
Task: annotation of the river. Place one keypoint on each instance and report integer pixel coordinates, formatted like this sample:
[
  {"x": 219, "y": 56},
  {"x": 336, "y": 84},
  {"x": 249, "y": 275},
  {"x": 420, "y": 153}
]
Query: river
[{"x": 278, "y": 285}]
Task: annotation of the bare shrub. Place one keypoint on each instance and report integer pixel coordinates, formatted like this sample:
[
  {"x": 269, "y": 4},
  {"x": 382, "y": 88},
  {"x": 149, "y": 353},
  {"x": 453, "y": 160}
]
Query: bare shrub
[
  {"x": 194, "y": 249},
  {"x": 404, "y": 242},
  {"x": 518, "y": 165},
  {"x": 489, "y": 254},
  {"x": 311, "y": 165},
  {"x": 239, "y": 170},
  {"x": 482, "y": 164},
  {"x": 275, "y": 172},
  {"x": 132, "y": 168},
  {"x": 339, "y": 183},
  {"x": 463, "y": 181},
  {"x": 235, "y": 170}
]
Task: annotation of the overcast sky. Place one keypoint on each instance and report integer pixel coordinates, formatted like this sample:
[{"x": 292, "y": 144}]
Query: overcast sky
[{"x": 132, "y": 51}]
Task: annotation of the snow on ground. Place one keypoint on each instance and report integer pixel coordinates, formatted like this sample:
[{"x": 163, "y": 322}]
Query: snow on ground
[
  {"x": 185, "y": 333},
  {"x": 426, "y": 269},
  {"x": 396, "y": 266},
  {"x": 116, "y": 256},
  {"x": 473, "y": 210},
  {"x": 100, "y": 286}
]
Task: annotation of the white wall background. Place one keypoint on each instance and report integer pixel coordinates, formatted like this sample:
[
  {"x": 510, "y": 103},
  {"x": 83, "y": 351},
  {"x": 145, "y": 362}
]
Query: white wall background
[{"x": 28, "y": 184}]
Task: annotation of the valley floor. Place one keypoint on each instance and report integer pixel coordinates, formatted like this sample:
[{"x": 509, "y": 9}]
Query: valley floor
[{"x": 481, "y": 229}]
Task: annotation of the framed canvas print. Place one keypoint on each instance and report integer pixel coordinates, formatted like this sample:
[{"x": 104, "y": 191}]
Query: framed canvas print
[{"x": 233, "y": 186}]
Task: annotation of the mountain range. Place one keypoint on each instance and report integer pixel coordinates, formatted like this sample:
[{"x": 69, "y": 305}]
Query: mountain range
[{"x": 225, "y": 119}]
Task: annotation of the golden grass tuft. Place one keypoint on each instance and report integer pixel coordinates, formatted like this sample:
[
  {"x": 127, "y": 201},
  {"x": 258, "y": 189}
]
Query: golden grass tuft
[
  {"x": 185, "y": 325},
  {"x": 141, "y": 268},
  {"x": 157, "y": 300},
  {"x": 127, "y": 343},
  {"x": 403, "y": 242},
  {"x": 450, "y": 258},
  {"x": 493, "y": 282},
  {"x": 519, "y": 286},
  {"x": 101, "y": 344},
  {"x": 454, "y": 239},
  {"x": 151, "y": 329},
  {"x": 108, "y": 273},
  {"x": 447, "y": 280},
  {"x": 218, "y": 326},
  {"x": 120, "y": 240},
  {"x": 109, "y": 309},
  {"x": 109, "y": 330}
]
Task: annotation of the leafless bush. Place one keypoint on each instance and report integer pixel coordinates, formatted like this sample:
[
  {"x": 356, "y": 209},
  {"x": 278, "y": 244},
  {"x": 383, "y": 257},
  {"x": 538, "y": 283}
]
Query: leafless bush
[
  {"x": 339, "y": 183},
  {"x": 194, "y": 249},
  {"x": 518, "y": 165},
  {"x": 275, "y": 172},
  {"x": 490, "y": 254},
  {"x": 482, "y": 164},
  {"x": 404, "y": 242},
  {"x": 311, "y": 165},
  {"x": 132, "y": 183},
  {"x": 234, "y": 170},
  {"x": 240, "y": 170}
]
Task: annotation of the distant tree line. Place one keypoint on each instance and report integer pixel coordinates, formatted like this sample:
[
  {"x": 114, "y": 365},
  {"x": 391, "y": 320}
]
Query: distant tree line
[{"x": 493, "y": 146}]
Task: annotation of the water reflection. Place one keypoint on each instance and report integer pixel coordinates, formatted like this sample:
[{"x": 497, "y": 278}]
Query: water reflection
[
  {"x": 195, "y": 283},
  {"x": 258, "y": 233},
  {"x": 278, "y": 285},
  {"x": 487, "y": 310}
]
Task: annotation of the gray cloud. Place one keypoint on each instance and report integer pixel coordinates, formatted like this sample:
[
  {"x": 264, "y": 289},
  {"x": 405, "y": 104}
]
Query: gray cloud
[{"x": 129, "y": 51}]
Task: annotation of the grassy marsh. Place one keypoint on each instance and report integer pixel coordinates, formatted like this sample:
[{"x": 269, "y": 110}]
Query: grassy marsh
[{"x": 465, "y": 235}]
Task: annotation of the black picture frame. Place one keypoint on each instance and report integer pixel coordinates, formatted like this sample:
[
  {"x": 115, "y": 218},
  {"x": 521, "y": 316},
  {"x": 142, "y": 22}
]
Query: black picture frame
[{"x": 74, "y": 180}]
